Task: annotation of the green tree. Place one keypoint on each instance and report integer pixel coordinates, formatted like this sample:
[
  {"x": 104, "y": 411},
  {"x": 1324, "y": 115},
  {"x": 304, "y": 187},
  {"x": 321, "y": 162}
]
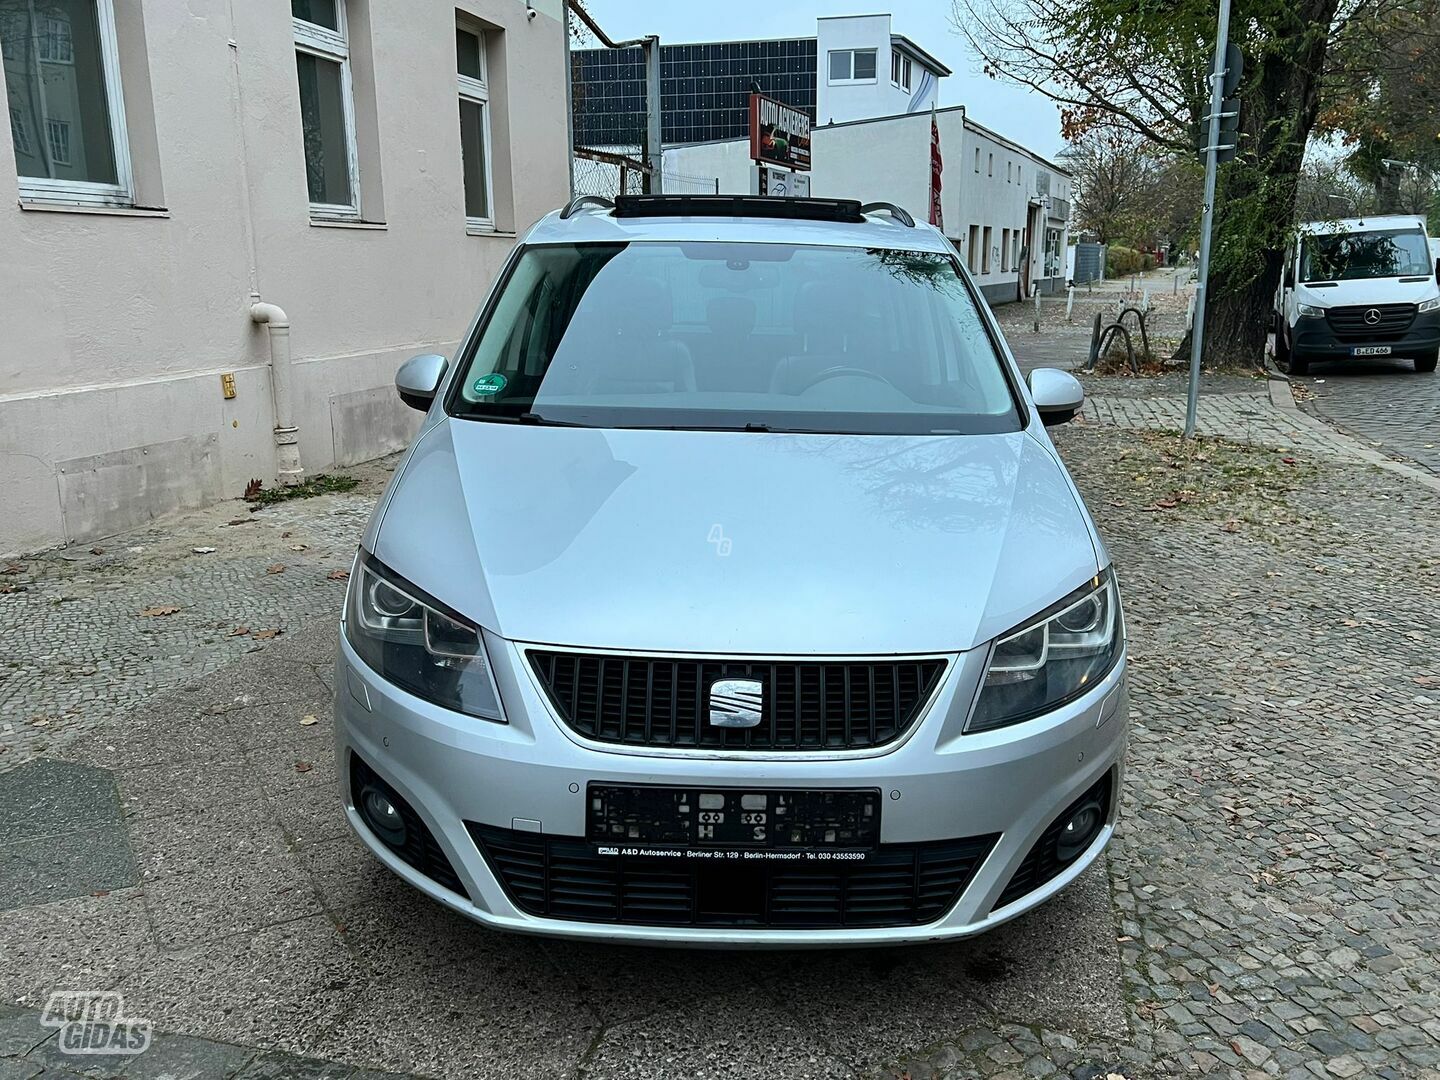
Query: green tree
[{"x": 1144, "y": 65}]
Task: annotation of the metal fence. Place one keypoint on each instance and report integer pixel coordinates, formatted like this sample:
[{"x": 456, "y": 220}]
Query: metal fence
[{"x": 604, "y": 172}]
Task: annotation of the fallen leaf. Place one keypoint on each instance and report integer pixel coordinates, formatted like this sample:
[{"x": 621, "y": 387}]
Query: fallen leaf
[
  {"x": 299, "y": 547},
  {"x": 40, "y": 721},
  {"x": 97, "y": 551},
  {"x": 203, "y": 550},
  {"x": 266, "y": 635},
  {"x": 1233, "y": 525},
  {"x": 14, "y": 568},
  {"x": 252, "y": 491},
  {"x": 275, "y": 568},
  {"x": 1350, "y": 622},
  {"x": 285, "y": 535},
  {"x": 240, "y": 631},
  {"x": 1289, "y": 461},
  {"x": 309, "y": 719},
  {"x": 338, "y": 575},
  {"x": 240, "y": 521},
  {"x": 303, "y": 766},
  {"x": 156, "y": 612}
]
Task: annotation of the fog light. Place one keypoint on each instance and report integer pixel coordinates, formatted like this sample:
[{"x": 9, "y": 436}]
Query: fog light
[
  {"x": 1079, "y": 832},
  {"x": 382, "y": 817}
]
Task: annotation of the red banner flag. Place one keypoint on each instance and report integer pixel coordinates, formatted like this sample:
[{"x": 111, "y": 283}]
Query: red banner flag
[{"x": 937, "y": 166}]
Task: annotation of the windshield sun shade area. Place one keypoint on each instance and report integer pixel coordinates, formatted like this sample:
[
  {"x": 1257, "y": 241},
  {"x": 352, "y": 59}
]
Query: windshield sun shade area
[
  {"x": 737, "y": 336},
  {"x": 1362, "y": 255}
]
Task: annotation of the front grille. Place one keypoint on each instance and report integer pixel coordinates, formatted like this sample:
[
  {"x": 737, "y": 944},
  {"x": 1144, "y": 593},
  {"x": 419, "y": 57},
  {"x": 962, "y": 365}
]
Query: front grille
[
  {"x": 562, "y": 877},
  {"x": 421, "y": 850},
  {"x": 1350, "y": 322},
  {"x": 808, "y": 705},
  {"x": 1043, "y": 861}
]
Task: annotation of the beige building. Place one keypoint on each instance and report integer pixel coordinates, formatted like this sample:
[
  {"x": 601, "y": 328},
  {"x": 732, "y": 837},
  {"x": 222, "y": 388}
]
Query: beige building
[{"x": 184, "y": 169}]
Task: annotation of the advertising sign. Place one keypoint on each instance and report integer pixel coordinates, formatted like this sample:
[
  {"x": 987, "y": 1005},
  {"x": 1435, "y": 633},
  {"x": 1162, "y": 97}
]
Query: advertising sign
[{"x": 779, "y": 134}]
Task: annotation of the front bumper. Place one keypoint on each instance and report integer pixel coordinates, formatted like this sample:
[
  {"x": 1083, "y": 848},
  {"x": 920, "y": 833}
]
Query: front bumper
[
  {"x": 531, "y": 775},
  {"x": 1316, "y": 339}
]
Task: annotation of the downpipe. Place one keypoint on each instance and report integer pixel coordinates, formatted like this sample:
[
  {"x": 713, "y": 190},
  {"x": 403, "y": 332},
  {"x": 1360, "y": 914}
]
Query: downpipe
[{"x": 287, "y": 445}]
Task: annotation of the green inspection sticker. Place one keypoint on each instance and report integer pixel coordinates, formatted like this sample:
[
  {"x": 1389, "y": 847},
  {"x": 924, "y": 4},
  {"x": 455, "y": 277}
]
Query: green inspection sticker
[{"x": 488, "y": 385}]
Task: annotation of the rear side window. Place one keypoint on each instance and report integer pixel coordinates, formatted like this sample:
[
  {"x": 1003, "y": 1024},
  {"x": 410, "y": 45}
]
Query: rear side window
[{"x": 725, "y": 335}]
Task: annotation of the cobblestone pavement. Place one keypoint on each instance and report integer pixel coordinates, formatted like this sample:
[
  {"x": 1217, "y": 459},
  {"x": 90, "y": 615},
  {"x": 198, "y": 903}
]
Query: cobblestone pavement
[
  {"x": 1387, "y": 403},
  {"x": 77, "y": 648},
  {"x": 1269, "y": 907}
]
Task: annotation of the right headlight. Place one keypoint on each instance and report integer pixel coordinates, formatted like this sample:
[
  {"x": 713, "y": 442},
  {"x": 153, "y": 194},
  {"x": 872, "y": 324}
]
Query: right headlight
[
  {"x": 1433, "y": 304},
  {"x": 1053, "y": 658},
  {"x": 417, "y": 643},
  {"x": 1310, "y": 309}
]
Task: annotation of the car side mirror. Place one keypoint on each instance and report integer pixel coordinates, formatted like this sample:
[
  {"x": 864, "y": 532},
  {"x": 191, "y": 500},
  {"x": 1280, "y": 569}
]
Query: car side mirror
[
  {"x": 1437, "y": 270},
  {"x": 419, "y": 378},
  {"x": 1057, "y": 394}
]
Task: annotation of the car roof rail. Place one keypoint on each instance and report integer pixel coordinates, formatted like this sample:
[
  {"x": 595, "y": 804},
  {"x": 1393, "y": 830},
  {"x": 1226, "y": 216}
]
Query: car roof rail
[
  {"x": 582, "y": 201},
  {"x": 900, "y": 214},
  {"x": 763, "y": 206}
]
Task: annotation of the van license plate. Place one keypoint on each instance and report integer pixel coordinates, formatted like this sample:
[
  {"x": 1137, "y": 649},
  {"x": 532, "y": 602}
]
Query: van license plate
[{"x": 1370, "y": 350}]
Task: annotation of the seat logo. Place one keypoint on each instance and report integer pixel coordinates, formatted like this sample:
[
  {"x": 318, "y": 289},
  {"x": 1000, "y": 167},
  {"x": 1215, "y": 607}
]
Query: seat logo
[
  {"x": 1372, "y": 316},
  {"x": 736, "y": 703}
]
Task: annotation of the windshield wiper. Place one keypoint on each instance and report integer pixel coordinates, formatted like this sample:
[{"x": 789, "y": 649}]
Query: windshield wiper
[{"x": 545, "y": 421}]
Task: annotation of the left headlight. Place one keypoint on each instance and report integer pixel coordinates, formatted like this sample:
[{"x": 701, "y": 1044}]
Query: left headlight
[
  {"x": 1053, "y": 658},
  {"x": 1310, "y": 310},
  {"x": 415, "y": 642}
]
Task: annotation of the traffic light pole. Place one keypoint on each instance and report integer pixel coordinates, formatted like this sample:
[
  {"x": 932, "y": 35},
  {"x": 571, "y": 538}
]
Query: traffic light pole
[{"x": 1217, "y": 96}]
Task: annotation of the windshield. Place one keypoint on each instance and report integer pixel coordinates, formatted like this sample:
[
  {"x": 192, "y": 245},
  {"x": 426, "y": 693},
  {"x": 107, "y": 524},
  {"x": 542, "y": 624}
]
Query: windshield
[
  {"x": 1350, "y": 256},
  {"x": 736, "y": 336}
]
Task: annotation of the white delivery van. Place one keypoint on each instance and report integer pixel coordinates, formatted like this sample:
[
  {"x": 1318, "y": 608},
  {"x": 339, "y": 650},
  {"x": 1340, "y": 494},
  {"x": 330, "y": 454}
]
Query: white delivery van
[{"x": 1358, "y": 288}]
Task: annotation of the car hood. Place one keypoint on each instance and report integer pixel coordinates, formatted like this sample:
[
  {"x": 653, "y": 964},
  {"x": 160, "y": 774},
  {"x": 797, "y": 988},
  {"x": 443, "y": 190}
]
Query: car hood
[{"x": 729, "y": 542}]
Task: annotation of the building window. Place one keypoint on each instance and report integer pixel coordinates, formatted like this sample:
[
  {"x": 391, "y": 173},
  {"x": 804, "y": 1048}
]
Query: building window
[
  {"x": 990, "y": 167},
  {"x": 977, "y": 159},
  {"x": 852, "y": 65},
  {"x": 18, "y": 135},
  {"x": 973, "y": 253},
  {"x": 985, "y": 250},
  {"x": 58, "y": 132},
  {"x": 1004, "y": 251},
  {"x": 1015, "y": 249},
  {"x": 474, "y": 128},
  {"x": 1009, "y": 172},
  {"x": 67, "y": 116},
  {"x": 900, "y": 69},
  {"x": 327, "y": 108}
]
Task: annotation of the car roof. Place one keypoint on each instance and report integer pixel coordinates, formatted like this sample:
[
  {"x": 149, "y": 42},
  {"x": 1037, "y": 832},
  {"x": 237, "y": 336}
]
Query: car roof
[
  {"x": 1377, "y": 223},
  {"x": 598, "y": 225}
]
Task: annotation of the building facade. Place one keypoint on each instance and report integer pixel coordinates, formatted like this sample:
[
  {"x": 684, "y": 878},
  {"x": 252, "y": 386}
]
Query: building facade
[
  {"x": 853, "y": 67},
  {"x": 361, "y": 165},
  {"x": 1006, "y": 208}
]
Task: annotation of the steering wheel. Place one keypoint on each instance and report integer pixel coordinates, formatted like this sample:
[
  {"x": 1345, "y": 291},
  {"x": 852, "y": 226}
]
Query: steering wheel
[{"x": 842, "y": 371}]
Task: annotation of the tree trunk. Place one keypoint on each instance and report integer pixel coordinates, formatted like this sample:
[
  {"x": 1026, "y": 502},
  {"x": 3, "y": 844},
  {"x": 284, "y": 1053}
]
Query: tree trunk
[{"x": 1255, "y": 204}]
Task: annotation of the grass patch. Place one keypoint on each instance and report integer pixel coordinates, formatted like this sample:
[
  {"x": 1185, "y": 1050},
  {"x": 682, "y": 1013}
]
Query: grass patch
[{"x": 319, "y": 484}]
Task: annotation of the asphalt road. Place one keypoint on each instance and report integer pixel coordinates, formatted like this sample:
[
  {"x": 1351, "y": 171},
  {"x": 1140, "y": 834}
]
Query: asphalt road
[{"x": 1385, "y": 402}]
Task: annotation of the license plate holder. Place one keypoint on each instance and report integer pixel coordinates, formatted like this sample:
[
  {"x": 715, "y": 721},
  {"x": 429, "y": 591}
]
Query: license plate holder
[
  {"x": 730, "y": 822},
  {"x": 1371, "y": 350}
]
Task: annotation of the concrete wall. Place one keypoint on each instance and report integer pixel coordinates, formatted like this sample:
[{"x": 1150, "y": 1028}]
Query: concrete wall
[{"x": 115, "y": 326}]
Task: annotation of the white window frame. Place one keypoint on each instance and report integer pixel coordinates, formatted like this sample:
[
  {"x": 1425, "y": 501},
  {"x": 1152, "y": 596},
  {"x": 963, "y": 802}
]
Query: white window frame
[
  {"x": 87, "y": 192},
  {"x": 478, "y": 91},
  {"x": 56, "y": 133},
  {"x": 851, "y": 81},
  {"x": 334, "y": 46},
  {"x": 900, "y": 70},
  {"x": 19, "y": 132}
]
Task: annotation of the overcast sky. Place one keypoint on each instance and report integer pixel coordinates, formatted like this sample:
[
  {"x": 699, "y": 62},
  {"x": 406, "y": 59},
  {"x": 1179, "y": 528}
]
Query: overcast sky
[{"x": 1027, "y": 117}]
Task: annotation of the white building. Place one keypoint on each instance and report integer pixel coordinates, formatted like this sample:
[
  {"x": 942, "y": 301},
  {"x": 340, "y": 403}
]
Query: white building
[
  {"x": 362, "y": 164},
  {"x": 865, "y": 70},
  {"x": 1006, "y": 208}
]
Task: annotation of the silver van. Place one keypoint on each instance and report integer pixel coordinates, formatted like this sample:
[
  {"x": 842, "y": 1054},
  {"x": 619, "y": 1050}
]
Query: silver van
[{"x": 733, "y": 593}]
